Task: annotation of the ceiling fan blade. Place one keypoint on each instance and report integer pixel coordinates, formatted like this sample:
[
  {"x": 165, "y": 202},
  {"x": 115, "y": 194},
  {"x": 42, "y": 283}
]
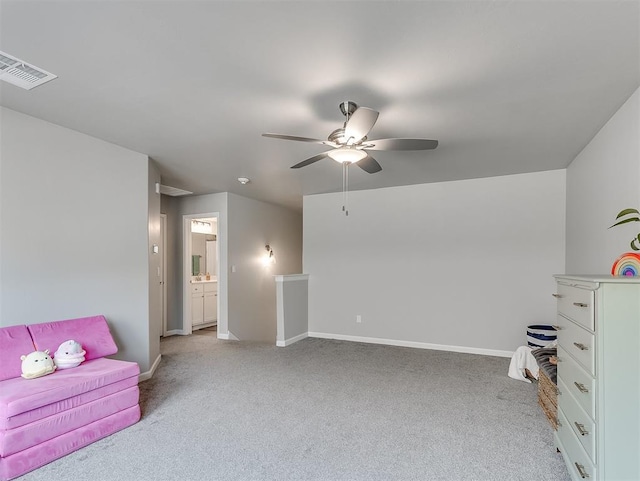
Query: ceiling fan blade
[
  {"x": 310, "y": 160},
  {"x": 401, "y": 144},
  {"x": 360, "y": 123},
  {"x": 369, "y": 164},
  {"x": 300, "y": 139}
]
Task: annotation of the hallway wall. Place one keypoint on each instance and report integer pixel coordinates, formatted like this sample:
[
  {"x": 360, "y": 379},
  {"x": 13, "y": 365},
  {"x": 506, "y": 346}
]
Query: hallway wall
[
  {"x": 252, "y": 288},
  {"x": 247, "y": 296}
]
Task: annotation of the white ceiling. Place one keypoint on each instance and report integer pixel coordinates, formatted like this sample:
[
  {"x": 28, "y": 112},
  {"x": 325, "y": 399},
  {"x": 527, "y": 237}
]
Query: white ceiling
[{"x": 505, "y": 86}]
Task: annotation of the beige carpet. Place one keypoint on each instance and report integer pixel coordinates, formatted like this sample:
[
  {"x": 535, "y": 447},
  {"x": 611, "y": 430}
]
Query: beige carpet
[{"x": 323, "y": 410}]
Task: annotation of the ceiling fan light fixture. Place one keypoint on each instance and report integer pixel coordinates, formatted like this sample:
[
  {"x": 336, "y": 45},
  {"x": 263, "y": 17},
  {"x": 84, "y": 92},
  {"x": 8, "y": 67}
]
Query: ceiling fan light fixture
[
  {"x": 351, "y": 143},
  {"x": 347, "y": 154}
]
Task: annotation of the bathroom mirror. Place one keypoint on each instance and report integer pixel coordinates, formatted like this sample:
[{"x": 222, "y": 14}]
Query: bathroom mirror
[{"x": 203, "y": 252}]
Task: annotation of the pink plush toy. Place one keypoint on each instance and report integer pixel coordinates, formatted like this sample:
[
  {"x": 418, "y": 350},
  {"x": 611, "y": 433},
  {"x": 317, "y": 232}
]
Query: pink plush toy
[
  {"x": 37, "y": 364},
  {"x": 69, "y": 354}
]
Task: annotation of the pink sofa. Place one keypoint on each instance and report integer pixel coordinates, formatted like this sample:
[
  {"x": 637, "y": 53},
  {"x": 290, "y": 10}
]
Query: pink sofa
[{"x": 48, "y": 417}]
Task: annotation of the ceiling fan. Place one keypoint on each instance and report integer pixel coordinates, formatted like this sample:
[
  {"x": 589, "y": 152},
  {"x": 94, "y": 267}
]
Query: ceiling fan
[{"x": 350, "y": 142}]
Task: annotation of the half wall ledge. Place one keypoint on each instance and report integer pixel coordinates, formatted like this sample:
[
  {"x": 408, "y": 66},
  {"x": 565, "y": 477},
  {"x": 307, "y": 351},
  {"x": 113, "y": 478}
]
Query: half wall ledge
[{"x": 292, "y": 308}]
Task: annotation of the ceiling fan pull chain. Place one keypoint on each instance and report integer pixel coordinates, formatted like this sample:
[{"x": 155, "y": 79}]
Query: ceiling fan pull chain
[{"x": 345, "y": 190}]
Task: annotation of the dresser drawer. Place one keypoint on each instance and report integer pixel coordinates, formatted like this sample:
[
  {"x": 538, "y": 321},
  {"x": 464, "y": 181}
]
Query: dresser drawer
[
  {"x": 582, "y": 425},
  {"x": 211, "y": 287},
  {"x": 577, "y": 304},
  {"x": 196, "y": 288},
  {"x": 578, "y": 342},
  {"x": 578, "y": 462},
  {"x": 578, "y": 382}
]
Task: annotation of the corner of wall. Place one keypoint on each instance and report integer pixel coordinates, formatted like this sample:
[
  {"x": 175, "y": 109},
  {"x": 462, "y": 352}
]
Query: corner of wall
[{"x": 601, "y": 181}]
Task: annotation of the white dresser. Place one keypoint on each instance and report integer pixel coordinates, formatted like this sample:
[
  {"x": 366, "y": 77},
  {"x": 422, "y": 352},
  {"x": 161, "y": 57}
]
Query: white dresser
[{"x": 599, "y": 376}]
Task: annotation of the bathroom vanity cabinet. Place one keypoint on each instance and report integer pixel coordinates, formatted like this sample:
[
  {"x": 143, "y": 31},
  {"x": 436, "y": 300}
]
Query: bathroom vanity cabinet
[{"x": 204, "y": 304}]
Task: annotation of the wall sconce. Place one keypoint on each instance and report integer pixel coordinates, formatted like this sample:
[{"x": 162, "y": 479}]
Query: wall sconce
[{"x": 269, "y": 258}]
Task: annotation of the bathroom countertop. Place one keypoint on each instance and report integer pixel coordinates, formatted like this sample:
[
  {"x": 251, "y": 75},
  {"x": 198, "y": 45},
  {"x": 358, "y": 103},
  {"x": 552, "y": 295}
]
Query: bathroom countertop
[{"x": 204, "y": 281}]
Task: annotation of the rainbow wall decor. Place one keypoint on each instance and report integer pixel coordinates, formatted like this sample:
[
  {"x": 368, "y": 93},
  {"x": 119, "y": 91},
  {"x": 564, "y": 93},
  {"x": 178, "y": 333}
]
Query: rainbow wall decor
[{"x": 627, "y": 264}]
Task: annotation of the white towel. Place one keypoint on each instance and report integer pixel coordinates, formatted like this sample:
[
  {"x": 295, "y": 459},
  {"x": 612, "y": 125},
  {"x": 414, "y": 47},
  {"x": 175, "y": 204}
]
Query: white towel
[{"x": 523, "y": 359}]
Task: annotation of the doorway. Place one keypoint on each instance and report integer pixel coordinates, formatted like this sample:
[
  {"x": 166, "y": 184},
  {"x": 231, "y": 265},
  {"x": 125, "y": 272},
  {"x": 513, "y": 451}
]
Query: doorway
[{"x": 202, "y": 279}]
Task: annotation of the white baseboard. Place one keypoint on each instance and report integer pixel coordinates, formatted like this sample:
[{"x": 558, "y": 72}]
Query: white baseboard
[
  {"x": 143, "y": 376},
  {"x": 228, "y": 336},
  {"x": 418, "y": 345},
  {"x": 175, "y": 332},
  {"x": 291, "y": 340}
]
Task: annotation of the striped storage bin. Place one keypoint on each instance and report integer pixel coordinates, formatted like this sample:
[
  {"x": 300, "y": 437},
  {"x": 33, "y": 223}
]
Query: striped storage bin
[{"x": 540, "y": 335}]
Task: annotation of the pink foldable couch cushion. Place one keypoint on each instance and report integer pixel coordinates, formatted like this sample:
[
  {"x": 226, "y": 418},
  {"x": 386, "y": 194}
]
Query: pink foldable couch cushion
[
  {"x": 67, "y": 404},
  {"x": 91, "y": 332},
  {"x": 19, "y": 439},
  {"x": 20, "y": 395},
  {"x": 15, "y": 341},
  {"x": 40, "y": 454}
]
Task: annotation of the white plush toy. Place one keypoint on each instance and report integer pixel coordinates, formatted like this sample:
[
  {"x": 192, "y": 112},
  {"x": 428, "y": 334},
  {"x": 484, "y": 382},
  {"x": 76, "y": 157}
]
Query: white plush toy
[
  {"x": 69, "y": 354},
  {"x": 37, "y": 364}
]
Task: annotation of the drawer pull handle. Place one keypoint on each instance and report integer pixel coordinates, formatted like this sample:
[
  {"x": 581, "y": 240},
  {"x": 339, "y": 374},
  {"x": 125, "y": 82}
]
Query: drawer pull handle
[
  {"x": 581, "y": 429},
  {"x": 581, "y": 346},
  {"x": 557, "y": 296},
  {"x": 580, "y": 304},
  {"x": 581, "y": 471},
  {"x": 581, "y": 387}
]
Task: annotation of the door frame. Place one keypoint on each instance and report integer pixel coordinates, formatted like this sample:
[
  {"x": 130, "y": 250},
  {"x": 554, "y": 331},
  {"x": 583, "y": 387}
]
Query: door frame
[
  {"x": 163, "y": 235},
  {"x": 186, "y": 271}
]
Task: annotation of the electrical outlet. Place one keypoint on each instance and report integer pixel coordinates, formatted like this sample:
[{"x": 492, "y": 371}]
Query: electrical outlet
[{"x": 358, "y": 318}]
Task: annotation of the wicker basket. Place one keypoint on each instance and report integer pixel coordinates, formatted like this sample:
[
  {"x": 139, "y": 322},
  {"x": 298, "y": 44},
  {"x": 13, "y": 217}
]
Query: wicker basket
[{"x": 548, "y": 398}]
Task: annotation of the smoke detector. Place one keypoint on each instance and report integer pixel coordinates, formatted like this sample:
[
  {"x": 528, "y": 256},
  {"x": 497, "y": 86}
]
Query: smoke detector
[{"x": 21, "y": 74}]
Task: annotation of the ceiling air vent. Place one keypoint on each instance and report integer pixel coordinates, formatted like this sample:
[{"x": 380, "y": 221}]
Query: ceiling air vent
[
  {"x": 21, "y": 74},
  {"x": 172, "y": 191}
]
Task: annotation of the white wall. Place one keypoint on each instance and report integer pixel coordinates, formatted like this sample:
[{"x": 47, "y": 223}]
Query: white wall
[
  {"x": 252, "y": 288},
  {"x": 74, "y": 231},
  {"x": 601, "y": 181},
  {"x": 154, "y": 263},
  {"x": 247, "y": 296},
  {"x": 464, "y": 264}
]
